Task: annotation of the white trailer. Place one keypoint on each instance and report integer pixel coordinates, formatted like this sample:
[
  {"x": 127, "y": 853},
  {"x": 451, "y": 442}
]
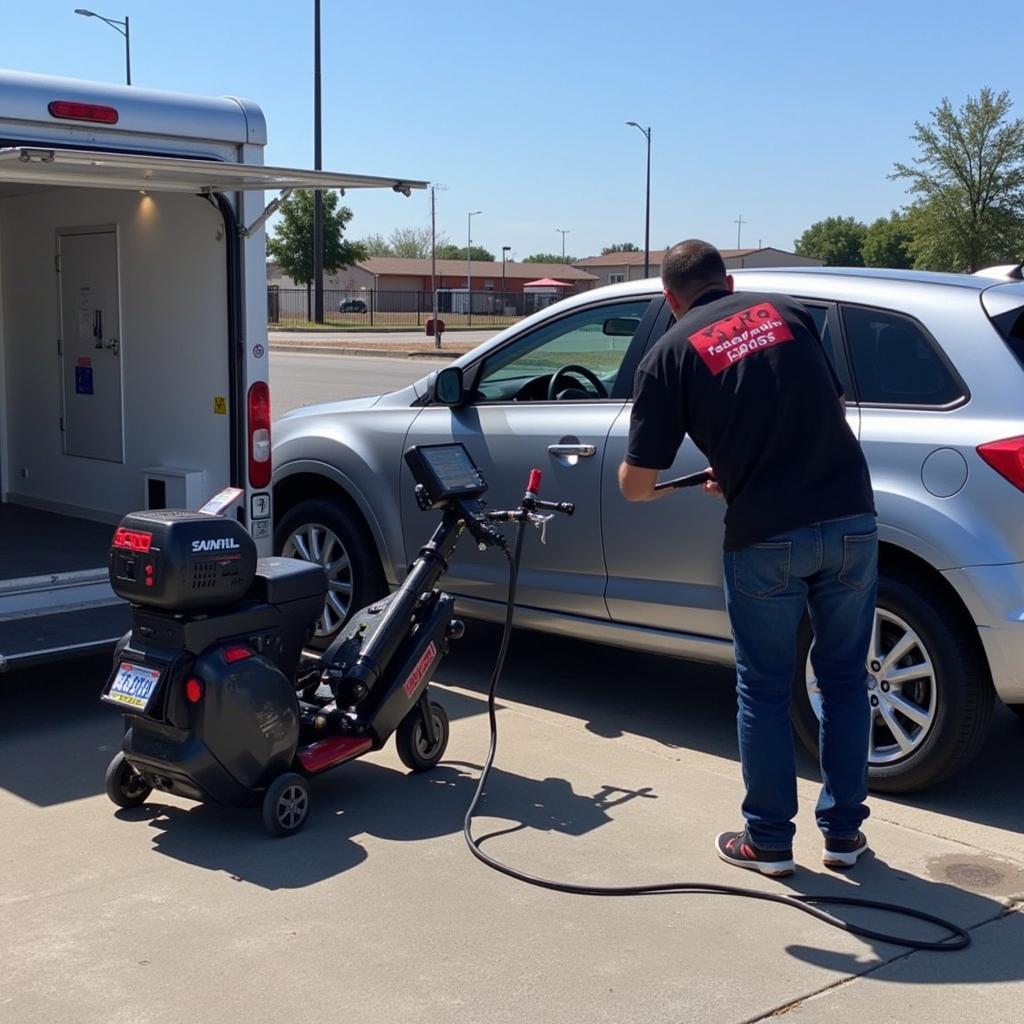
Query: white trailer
[{"x": 133, "y": 344}]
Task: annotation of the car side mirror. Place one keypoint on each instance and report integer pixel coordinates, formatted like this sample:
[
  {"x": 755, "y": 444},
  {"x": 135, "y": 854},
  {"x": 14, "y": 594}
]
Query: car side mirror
[
  {"x": 621, "y": 326},
  {"x": 448, "y": 386}
]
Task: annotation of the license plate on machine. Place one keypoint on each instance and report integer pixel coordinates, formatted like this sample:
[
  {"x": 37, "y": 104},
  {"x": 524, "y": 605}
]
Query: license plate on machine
[{"x": 133, "y": 686}]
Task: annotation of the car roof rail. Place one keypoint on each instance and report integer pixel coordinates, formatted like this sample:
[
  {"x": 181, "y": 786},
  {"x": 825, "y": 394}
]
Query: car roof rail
[{"x": 1009, "y": 271}]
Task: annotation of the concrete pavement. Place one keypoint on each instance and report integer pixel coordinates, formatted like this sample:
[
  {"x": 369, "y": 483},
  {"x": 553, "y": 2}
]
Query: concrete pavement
[{"x": 613, "y": 767}]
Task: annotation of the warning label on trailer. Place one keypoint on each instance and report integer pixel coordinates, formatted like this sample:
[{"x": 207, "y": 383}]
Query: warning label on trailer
[
  {"x": 83, "y": 380},
  {"x": 735, "y": 337}
]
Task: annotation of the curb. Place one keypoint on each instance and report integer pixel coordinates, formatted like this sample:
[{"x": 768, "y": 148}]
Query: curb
[{"x": 327, "y": 348}]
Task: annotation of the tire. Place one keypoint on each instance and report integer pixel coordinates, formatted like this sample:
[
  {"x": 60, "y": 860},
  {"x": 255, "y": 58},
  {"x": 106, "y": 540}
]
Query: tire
[
  {"x": 411, "y": 743},
  {"x": 951, "y": 699},
  {"x": 286, "y": 805},
  {"x": 331, "y": 534},
  {"x": 124, "y": 785}
]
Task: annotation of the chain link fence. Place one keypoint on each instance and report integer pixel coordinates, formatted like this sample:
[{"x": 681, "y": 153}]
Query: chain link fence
[{"x": 371, "y": 307}]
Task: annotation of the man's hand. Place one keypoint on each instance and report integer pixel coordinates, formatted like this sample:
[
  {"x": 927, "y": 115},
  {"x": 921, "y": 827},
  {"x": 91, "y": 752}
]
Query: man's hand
[{"x": 712, "y": 486}]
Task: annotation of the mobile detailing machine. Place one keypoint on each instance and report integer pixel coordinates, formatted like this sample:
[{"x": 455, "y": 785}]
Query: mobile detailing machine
[{"x": 221, "y": 706}]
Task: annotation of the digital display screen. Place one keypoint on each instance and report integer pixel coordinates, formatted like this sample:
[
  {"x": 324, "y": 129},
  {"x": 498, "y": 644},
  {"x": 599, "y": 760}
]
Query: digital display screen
[{"x": 452, "y": 466}]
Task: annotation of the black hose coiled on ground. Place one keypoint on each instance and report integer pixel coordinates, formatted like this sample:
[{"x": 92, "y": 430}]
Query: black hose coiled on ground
[{"x": 958, "y": 937}]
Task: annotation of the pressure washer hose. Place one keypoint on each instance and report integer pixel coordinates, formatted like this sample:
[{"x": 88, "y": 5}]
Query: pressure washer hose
[{"x": 958, "y": 937}]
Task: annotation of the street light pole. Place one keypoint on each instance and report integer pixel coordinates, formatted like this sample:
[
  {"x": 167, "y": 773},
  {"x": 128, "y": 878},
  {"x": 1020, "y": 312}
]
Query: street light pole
[
  {"x": 118, "y": 26},
  {"x": 318, "y": 197},
  {"x": 646, "y": 132},
  {"x": 505, "y": 249},
  {"x": 563, "y": 232},
  {"x": 469, "y": 260}
]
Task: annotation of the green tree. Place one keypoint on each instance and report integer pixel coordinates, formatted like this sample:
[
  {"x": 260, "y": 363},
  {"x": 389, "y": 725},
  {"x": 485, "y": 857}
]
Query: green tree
[
  {"x": 620, "y": 247},
  {"x": 836, "y": 240},
  {"x": 450, "y": 251},
  {"x": 291, "y": 245},
  {"x": 887, "y": 242},
  {"x": 549, "y": 257},
  {"x": 968, "y": 180},
  {"x": 376, "y": 245}
]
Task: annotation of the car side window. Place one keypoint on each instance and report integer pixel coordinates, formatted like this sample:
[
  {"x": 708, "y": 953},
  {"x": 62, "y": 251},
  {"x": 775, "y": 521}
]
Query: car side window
[
  {"x": 594, "y": 339},
  {"x": 895, "y": 362}
]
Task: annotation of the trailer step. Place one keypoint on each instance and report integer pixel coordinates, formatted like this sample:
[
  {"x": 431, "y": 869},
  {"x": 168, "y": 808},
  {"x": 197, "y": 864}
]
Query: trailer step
[{"x": 43, "y": 638}]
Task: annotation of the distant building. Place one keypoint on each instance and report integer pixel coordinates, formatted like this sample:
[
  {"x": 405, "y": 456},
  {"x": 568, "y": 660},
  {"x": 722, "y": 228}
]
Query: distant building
[
  {"x": 629, "y": 266},
  {"x": 393, "y": 274}
]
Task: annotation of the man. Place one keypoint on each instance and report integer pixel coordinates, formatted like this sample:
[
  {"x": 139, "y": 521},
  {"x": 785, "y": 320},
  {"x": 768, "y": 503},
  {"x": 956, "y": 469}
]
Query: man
[{"x": 745, "y": 376}]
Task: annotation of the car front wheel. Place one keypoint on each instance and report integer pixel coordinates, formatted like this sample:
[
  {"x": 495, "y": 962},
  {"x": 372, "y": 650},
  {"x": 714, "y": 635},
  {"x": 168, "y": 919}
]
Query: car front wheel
[
  {"x": 328, "y": 533},
  {"x": 928, "y": 686}
]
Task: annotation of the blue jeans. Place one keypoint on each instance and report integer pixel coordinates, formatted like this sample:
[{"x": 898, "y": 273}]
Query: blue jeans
[{"x": 829, "y": 569}]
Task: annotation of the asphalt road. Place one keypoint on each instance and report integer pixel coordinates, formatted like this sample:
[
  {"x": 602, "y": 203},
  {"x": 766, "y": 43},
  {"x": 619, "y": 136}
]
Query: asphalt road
[
  {"x": 411, "y": 338},
  {"x": 612, "y": 768},
  {"x": 298, "y": 378}
]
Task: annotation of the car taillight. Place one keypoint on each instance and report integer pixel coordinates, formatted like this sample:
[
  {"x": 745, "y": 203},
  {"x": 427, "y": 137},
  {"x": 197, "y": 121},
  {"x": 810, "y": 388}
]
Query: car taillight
[
  {"x": 259, "y": 434},
  {"x": 1006, "y": 458},
  {"x": 194, "y": 690},
  {"x": 236, "y": 653},
  {"x": 68, "y": 110}
]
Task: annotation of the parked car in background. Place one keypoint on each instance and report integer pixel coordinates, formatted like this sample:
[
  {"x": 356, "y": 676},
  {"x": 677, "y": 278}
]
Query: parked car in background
[
  {"x": 352, "y": 306},
  {"x": 933, "y": 367}
]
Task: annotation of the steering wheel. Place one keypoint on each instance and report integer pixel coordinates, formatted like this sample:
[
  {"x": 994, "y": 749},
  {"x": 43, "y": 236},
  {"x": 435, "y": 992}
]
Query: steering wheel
[{"x": 580, "y": 371}]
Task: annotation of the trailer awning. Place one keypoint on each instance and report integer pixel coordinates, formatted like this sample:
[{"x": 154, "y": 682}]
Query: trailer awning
[{"x": 88, "y": 169}]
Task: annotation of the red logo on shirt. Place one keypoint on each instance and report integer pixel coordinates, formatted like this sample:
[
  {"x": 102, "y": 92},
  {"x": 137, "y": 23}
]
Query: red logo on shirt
[{"x": 731, "y": 339}]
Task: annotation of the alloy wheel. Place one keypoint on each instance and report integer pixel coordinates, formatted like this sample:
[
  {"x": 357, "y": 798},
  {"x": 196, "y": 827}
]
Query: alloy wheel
[
  {"x": 314, "y": 542},
  {"x": 901, "y": 689}
]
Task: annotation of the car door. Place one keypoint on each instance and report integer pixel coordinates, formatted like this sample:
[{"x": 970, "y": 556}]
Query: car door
[
  {"x": 511, "y": 425},
  {"x": 664, "y": 558}
]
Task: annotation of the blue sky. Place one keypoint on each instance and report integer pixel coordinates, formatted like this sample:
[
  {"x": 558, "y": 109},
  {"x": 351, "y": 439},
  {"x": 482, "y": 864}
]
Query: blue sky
[{"x": 784, "y": 112}]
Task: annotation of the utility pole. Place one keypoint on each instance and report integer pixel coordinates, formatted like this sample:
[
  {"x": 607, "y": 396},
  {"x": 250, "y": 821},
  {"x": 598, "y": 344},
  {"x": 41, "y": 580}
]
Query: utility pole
[
  {"x": 505, "y": 249},
  {"x": 318, "y": 198},
  {"x": 433, "y": 260},
  {"x": 563, "y": 232},
  {"x": 469, "y": 261},
  {"x": 739, "y": 222}
]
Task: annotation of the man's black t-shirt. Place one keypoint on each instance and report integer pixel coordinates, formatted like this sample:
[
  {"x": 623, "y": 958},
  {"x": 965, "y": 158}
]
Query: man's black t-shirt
[{"x": 745, "y": 376}]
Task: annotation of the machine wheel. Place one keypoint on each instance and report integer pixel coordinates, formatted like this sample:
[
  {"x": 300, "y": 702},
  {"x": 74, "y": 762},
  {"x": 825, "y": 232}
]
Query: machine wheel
[
  {"x": 330, "y": 534},
  {"x": 413, "y": 749},
  {"x": 125, "y": 786},
  {"x": 931, "y": 692},
  {"x": 286, "y": 804}
]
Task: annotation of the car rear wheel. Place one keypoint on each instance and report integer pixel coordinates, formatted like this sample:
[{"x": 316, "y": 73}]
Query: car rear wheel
[
  {"x": 928, "y": 684},
  {"x": 328, "y": 533}
]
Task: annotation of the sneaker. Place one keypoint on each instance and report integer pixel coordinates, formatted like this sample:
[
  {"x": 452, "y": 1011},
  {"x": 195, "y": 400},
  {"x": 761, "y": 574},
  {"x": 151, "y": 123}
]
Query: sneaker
[
  {"x": 738, "y": 848},
  {"x": 843, "y": 853}
]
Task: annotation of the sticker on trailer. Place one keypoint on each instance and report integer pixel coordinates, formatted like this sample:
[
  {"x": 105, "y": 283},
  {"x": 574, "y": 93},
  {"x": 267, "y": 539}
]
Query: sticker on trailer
[
  {"x": 258, "y": 351},
  {"x": 261, "y": 529},
  {"x": 260, "y": 506},
  {"x": 220, "y": 405},
  {"x": 83, "y": 380}
]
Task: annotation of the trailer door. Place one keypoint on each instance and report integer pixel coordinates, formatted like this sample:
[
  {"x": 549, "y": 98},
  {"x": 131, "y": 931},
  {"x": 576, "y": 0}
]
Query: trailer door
[{"x": 90, "y": 345}]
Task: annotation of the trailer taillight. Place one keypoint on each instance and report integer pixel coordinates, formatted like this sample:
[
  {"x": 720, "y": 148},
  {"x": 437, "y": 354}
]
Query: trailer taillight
[
  {"x": 69, "y": 110},
  {"x": 1006, "y": 458},
  {"x": 259, "y": 434}
]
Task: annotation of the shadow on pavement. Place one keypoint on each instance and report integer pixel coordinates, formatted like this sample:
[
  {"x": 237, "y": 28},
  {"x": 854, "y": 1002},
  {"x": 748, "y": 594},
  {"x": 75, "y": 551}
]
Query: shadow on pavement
[
  {"x": 365, "y": 799},
  {"x": 874, "y": 879},
  {"x": 685, "y": 704}
]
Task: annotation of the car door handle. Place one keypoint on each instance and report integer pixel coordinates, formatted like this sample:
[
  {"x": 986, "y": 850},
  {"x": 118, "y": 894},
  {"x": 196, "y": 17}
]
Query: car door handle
[{"x": 582, "y": 450}]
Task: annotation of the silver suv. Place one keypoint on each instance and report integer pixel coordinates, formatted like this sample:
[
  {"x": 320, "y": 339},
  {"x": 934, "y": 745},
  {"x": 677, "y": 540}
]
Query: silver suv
[{"x": 934, "y": 372}]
